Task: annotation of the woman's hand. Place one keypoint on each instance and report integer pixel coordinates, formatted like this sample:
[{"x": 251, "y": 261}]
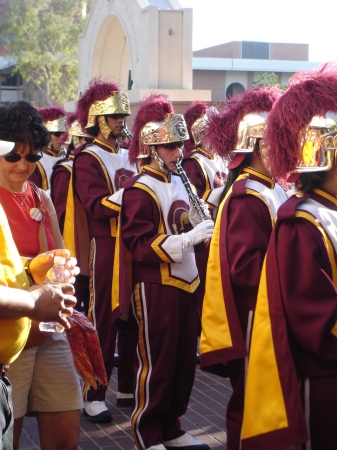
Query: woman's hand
[{"x": 40, "y": 265}]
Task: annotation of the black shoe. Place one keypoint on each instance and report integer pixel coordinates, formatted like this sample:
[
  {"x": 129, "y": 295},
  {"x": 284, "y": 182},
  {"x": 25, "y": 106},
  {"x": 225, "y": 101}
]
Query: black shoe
[
  {"x": 124, "y": 401},
  {"x": 103, "y": 417}
]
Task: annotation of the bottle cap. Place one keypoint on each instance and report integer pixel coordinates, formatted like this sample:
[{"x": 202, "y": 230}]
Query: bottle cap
[{"x": 60, "y": 260}]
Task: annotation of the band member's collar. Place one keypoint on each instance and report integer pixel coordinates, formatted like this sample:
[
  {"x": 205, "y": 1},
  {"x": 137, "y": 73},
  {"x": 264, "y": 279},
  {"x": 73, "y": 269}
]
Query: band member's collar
[
  {"x": 157, "y": 174},
  {"x": 105, "y": 146},
  {"x": 260, "y": 177},
  {"x": 203, "y": 152},
  {"x": 327, "y": 200}
]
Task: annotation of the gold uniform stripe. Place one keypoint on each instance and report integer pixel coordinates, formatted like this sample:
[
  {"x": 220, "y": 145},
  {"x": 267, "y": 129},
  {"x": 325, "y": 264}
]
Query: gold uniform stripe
[
  {"x": 156, "y": 248},
  {"x": 200, "y": 162},
  {"x": 328, "y": 243},
  {"x": 108, "y": 181},
  {"x": 44, "y": 178},
  {"x": 69, "y": 221},
  {"x": 105, "y": 201},
  {"x": 144, "y": 361},
  {"x": 263, "y": 374}
]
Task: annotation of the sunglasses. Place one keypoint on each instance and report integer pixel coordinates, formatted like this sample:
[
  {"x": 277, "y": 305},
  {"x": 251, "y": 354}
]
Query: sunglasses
[
  {"x": 14, "y": 157},
  {"x": 116, "y": 116},
  {"x": 56, "y": 133},
  {"x": 172, "y": 145}
]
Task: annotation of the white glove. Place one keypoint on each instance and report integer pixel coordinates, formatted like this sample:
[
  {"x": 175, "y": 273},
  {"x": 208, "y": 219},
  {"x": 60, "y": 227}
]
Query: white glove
[
  {"x": 199, "y": 234},
  {"x": 194, "y": 217}
]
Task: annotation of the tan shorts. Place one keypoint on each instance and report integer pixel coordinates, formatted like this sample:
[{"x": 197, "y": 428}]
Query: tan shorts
[{"x": 44, "y": 379}]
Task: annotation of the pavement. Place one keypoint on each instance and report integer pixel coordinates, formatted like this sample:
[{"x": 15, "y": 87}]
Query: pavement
[{"x": 205, "y": 419}]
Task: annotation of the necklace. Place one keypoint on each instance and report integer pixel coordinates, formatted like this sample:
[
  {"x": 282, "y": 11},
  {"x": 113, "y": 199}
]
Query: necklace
[{"x": 20, "y": 200}]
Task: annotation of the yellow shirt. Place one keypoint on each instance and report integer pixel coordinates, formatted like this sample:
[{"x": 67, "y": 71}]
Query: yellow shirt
[{"x": 13, "y": 332}]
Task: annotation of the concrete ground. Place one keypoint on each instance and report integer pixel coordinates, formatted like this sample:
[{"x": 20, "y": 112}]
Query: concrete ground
[{"x": 205, "y": 419}]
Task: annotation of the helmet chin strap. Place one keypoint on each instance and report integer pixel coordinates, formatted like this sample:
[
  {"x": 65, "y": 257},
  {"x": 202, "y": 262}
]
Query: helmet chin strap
[{"x": 158, "y": 159}]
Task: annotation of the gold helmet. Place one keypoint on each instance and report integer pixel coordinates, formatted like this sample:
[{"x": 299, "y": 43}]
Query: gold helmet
[
  {"x": 54, "y": 119},
  {"x": 299, "y": 137},
  {"x": 117, "y": 103},
  {"x": 75, "y": 132},
  {"x": 155, "y": 123},
  {"x": 250, "y": 128},
  {"x": 101, "y": 98},
  {"x": 172, "y": 129},
  {"x": 234, "y": 132}
]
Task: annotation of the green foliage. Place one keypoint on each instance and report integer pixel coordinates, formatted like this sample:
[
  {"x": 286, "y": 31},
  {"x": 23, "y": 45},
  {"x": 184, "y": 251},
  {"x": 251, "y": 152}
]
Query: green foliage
[
  {"x": 42, "y": 36},
  {"x": 268, "y": 78}
]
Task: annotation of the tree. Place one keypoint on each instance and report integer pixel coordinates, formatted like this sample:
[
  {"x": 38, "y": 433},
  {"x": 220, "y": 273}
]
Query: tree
[
  {"x": 42, "y": 37},
  {"x": 268, "y": 78}
]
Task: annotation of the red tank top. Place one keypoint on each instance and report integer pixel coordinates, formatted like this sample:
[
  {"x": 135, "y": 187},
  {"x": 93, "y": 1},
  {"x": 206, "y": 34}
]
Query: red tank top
[{"x": 24, "y": 229}]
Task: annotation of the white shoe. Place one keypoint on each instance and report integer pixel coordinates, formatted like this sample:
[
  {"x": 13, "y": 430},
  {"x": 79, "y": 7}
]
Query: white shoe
[
  {"x": 97, "y": 412},
  {"x": 156, "y": 447},
  {"x": 186, "y": 441}
]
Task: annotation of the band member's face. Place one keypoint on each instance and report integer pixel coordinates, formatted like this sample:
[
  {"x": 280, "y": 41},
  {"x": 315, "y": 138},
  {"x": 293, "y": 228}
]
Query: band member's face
[
  {"x": 116, "y": 124},
  {"x": 55, "y": 140},
  {"x": 170, "y": 155}
]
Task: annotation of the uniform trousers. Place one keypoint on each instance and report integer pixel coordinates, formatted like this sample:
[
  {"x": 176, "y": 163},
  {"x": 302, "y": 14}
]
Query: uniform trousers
[
  {"x": 167, "y": 326},
  {"x": 234, "y": 412},
  {"x": 6, "y": 414},
  {"x": 319, "y": 398},
  {"x": 100, "y": 312}
]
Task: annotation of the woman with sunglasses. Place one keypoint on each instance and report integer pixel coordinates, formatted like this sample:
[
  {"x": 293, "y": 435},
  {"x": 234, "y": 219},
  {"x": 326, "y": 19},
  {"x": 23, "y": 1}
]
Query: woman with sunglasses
[
  {"x": 54, "y": 119},
  {"x": 44, "y": 378}
]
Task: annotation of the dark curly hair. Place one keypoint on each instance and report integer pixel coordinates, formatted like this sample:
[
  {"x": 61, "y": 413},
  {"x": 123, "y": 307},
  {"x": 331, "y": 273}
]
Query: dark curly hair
[{"x": 20, "y": 122}]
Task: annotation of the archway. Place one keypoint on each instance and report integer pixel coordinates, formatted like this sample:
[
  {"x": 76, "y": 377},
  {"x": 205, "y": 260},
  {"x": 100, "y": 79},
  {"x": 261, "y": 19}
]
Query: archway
[
  {"x": 111, "y": 56},
  {"x": 234, "y": 89}
]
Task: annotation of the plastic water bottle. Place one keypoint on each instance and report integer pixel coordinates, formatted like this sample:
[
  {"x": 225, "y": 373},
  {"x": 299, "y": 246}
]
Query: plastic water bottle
[{"x": 57, "y": 274}]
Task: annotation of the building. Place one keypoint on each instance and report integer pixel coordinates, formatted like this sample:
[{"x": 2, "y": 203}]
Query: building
[{"x": 231, "y": 68}]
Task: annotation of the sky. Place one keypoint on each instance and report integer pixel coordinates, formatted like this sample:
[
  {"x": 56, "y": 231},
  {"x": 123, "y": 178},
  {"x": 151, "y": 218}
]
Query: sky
[{"x": 289, "y": 21}]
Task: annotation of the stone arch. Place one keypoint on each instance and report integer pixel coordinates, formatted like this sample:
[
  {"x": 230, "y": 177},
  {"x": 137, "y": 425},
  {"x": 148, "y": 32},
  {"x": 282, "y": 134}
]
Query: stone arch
[
  {"x": 114, "y": 63},
  {"x": 233, "y": 89},
  {"x": 154, "y": 41}
]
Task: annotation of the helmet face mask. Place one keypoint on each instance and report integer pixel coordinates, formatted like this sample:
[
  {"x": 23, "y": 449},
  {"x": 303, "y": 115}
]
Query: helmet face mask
[{"x": 319, "y": 144}]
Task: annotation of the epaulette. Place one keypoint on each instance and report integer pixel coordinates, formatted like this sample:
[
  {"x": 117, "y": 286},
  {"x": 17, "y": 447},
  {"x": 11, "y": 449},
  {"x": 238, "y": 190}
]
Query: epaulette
[
  {"x": 287, "y": 210},
  {"x": 239, "y": 187}
]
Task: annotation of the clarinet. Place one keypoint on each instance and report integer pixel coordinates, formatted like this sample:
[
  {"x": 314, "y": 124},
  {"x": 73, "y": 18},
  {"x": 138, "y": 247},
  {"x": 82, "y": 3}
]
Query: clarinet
[
  {"x": 194, "y": 199},
  {"x": 126, "y": 132}
]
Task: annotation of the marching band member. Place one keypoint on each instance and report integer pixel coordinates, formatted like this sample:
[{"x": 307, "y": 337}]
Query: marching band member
[
  {"x": 156, "y": 230},
  {"x": 100, "y": 170},
  {"x": 206, "y": 171},
  {"x": 245, "y": 220},
  {"x": 54, "y": 119},
  {"x": 292, "y": 371}
]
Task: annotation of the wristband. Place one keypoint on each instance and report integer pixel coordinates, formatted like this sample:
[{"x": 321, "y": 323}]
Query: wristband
[{"x": 28, "y": 272}]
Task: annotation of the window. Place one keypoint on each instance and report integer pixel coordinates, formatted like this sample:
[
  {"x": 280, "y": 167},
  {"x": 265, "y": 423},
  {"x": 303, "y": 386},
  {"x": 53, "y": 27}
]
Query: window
[{"x": 255, "y": 50}]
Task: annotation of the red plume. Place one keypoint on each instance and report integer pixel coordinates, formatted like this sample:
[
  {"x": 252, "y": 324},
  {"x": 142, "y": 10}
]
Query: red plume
[
  {"x": 71, "y": 117},
  {"x": 222, "y": 129},
  {"x": 153, "y": 108},
  {"x": 193, "y": 113},
  {"x": 52, "y": 113},
  {"x": 97, "y": 90},
  {"x": 309, "y": 94}
]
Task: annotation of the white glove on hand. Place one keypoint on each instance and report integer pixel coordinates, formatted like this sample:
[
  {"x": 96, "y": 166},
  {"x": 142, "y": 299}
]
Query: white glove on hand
[
  {"x": 194, "y": 217},
  {"x": 199, "y": 234}
]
